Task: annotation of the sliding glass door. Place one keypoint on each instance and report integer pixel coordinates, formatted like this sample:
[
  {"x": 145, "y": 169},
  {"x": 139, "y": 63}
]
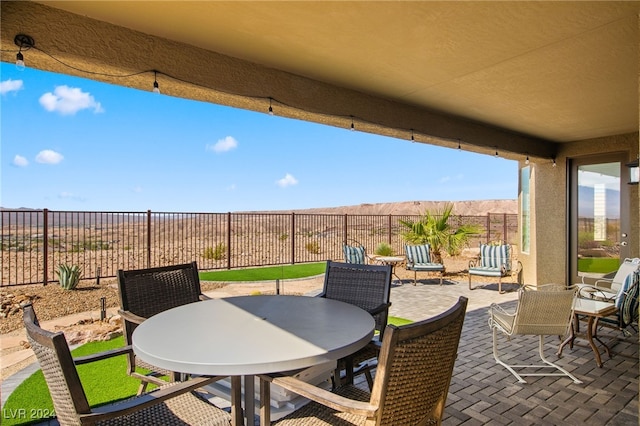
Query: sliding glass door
[{"x": 599, "y": 216}]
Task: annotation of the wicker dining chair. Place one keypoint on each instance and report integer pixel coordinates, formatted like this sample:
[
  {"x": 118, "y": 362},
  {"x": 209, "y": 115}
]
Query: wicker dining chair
[
  {"x": 543, "y": 311},
  {"x": 172, "y": 404},
  {"x": 146, "y": 292},
  {"x": 410, "y": 387},
  {"x": 367, "y": 287}
]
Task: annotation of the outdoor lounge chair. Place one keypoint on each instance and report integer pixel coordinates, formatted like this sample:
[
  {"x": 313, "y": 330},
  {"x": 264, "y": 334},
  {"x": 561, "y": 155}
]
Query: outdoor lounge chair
[
  {"x": 171, "y": 404},
  {"x": 411, "y": 383},
  {"x": 146, "y": 292},
  {"x": 545, "y": 310},
  {"x": 494, "y": 261},
  {"x": 607, "y": 289},
  {"x": 626, "y": 315},
  {"x": 354, "y": 252},
  {"x": 367, "y": 287},
  {"x": 419, "y": 259}
]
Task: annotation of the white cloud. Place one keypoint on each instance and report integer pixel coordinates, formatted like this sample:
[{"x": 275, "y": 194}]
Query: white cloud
[
  {"x": 20, "y": 161},
  {"x": 69, "y": 100},
  {"x": 223, "y": 145},
  {"x": 70, "y": 196},
  {"x": 446, "y": 179},
  {"x": 287, "y": 180},
  {"x": 48, "y": 156},
  {"x": 10, "y": 86}
]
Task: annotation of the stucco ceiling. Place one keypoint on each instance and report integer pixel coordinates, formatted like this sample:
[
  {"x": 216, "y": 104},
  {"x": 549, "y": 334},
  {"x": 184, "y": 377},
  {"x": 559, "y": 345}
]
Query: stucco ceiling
[{"x": 556, "y": 71}]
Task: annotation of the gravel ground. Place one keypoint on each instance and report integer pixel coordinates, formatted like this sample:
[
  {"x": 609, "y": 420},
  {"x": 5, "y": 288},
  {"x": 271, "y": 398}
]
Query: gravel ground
[{"x": 51, "y": 301}]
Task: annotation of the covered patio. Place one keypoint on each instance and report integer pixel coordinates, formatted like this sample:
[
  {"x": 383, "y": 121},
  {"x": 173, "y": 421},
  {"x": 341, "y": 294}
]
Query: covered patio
[
  {"x": 483, "y": 392},
  {"x": 547, "y": 84}
]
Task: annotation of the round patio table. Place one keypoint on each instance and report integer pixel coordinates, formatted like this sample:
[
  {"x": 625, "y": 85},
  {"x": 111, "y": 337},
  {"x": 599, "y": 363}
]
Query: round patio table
[{"x": 248, "y": 335}]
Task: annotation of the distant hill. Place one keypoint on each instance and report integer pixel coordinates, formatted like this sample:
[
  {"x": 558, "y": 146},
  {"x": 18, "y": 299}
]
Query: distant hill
[{"x": 461, "y": 208}]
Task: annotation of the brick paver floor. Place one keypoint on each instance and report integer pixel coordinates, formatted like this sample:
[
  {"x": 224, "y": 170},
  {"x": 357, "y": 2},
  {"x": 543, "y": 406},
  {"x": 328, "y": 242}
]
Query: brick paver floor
[{"x": 483, "y": 392}]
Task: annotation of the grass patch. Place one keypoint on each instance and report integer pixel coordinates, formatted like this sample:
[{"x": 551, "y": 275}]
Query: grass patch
[
  {"x": 398, "y": 321},
  {"x": 600, "y": 265},
  {"x": 269, "y": 273},
  {"x": 103, "y": 381}
]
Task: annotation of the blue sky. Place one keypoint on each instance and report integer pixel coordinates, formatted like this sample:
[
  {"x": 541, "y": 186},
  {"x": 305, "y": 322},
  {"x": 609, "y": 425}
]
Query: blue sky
[{"x": 75, "y": 144}]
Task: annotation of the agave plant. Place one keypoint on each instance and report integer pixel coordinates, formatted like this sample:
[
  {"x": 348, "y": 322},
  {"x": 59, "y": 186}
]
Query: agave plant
[
  {"x": 68, "y": 276},
  {"x": 433, "y": 228}
]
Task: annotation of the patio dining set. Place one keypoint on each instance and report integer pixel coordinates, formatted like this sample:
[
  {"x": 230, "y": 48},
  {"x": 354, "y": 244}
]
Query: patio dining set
[{"x": 265, "y": 346}]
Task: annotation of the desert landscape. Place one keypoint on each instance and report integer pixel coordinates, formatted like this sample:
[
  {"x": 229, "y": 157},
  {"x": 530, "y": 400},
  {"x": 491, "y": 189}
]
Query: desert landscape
[
  {"x": 52, "y": 301},
  {"x": 100, "y": 243}
]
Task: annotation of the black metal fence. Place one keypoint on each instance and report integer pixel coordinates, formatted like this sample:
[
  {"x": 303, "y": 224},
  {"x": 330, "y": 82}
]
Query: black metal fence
[{"x": 34, "y": 242}]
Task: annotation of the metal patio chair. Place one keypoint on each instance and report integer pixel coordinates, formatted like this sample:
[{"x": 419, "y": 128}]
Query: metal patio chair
[
  {"x": 608, "y": 287},
  {"x": 419, "y": 260},
  {"x": 543, "y": 311},
  {"x": 495, "y": 261},
  {"x": 354, "y": 252}
]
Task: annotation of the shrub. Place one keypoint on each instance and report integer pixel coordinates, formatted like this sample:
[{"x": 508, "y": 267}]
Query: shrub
[
  {"x": 434, "y": 228},
  {"x": 313, "y": 247},
  {"x": 217, "y": 253},
  {"x": 384, "y": 249},
  {"x": 68, "y": 276}
]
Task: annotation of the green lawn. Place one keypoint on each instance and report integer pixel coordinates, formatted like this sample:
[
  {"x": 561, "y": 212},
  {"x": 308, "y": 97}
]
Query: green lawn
[
  {"x": 104, "y": 381},
  {"x": 598, "y": 264},
  {"x": 269, "y": 273}
]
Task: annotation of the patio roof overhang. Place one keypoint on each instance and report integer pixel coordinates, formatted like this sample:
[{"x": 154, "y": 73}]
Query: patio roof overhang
[{"x": 515, "y": 77}]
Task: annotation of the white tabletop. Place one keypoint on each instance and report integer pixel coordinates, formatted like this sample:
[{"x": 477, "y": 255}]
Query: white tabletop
[
  {"x": 390, "y": 259},
  {"x": 248, "y": 335},
  {"x": 593, "y": 307}
]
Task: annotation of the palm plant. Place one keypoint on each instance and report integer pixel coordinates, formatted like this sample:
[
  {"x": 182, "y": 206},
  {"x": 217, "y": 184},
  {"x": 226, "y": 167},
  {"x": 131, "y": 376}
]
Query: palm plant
[{"x": 433, "y": 228}]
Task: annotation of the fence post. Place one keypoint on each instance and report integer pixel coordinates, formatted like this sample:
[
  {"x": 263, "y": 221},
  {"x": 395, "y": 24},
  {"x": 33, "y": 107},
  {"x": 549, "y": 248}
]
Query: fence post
[
  {"x": 488, "y": 228},
  {"x": 148, "y": 238},
  {"x": 345, "y": 224},
  {"x": 504, "y": 224},
  {"x": 228, "y": 240},
  {"x": 389, "y": 228},
  {"x": 45, "y": 246},
  {"x": 293, "y": 238}
]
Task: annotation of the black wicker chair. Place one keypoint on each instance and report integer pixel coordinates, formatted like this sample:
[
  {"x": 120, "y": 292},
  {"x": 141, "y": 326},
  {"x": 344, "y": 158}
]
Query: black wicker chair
[
  {"x": 369, "y": 288},
  {"x": 146, "y": 292}
]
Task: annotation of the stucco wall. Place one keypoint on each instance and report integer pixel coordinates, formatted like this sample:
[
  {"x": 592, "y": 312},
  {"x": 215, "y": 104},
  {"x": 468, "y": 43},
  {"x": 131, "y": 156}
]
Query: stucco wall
[{"x": 547, "y": 261}]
